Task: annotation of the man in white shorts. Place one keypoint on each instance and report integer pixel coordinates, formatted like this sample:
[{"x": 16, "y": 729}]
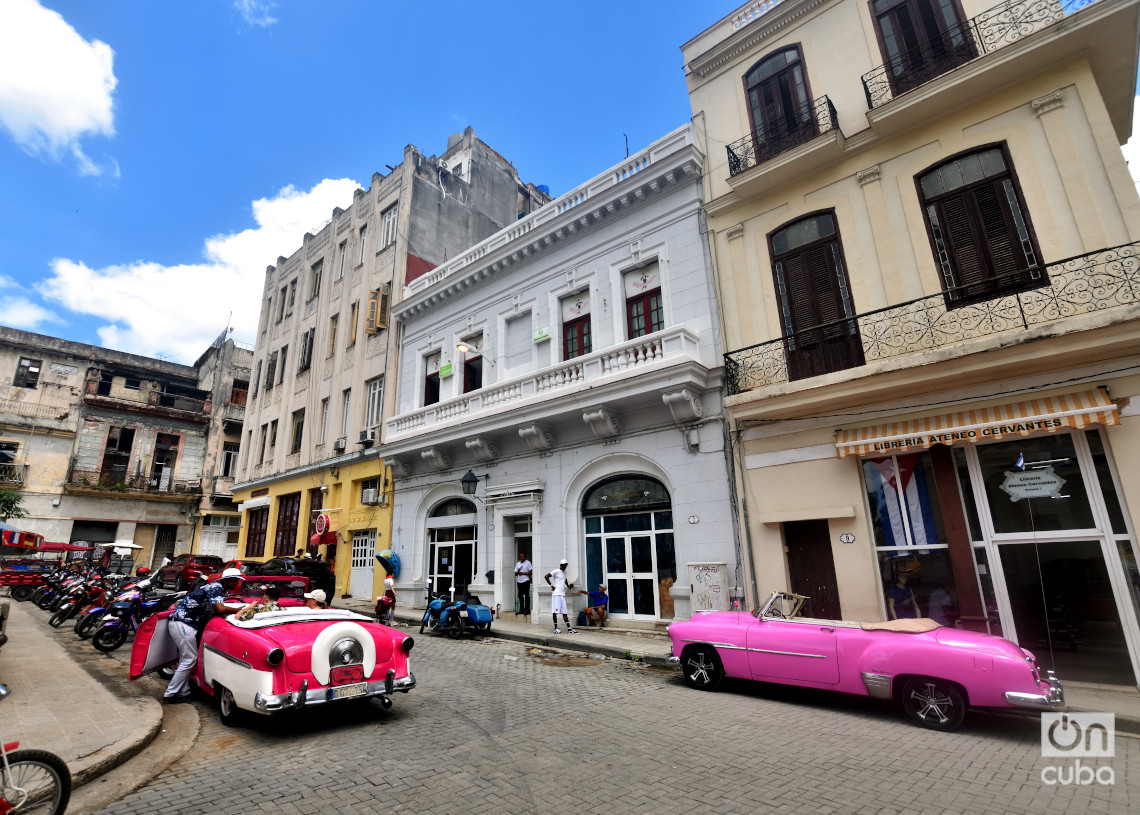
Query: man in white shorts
[{"x": 558, "y": 598}]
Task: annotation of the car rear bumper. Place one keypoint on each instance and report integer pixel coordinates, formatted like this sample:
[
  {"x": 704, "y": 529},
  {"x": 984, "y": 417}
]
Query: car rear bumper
[
  {"x": 275, "y": 703},
  {"x": 1050, "y": 700}
]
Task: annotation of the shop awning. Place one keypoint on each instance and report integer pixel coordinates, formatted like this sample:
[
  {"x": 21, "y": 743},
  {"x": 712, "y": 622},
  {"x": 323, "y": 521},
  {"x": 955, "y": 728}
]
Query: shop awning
[{"x": 1050, "y": 413}]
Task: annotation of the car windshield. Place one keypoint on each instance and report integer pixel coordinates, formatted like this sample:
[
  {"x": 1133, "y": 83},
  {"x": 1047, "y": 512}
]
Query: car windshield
[{"x": 781, "y": 604}]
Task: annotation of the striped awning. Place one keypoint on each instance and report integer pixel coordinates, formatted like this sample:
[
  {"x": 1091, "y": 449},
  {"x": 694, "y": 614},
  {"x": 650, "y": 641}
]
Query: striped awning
[{"x": 1050, "y": 414}]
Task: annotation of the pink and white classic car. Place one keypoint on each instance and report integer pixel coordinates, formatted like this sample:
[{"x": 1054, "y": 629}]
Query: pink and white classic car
[
  {"x": 933, "y": 671},
  {"x": 283, "y": 660}
]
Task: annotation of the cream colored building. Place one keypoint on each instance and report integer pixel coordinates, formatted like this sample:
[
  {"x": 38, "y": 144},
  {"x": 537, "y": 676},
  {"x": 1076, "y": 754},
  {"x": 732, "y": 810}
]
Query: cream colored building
[
  {"x": 324, "y": 356},
  {"x": 925, "y": 239}
]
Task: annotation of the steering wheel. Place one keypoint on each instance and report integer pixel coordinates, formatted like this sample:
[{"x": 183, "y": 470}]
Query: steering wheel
[{"x": 775, "y": 612}]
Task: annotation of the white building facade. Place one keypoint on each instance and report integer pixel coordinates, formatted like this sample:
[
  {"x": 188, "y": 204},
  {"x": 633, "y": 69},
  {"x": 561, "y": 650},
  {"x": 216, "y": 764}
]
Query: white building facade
[{"x": 571, "y": 363}]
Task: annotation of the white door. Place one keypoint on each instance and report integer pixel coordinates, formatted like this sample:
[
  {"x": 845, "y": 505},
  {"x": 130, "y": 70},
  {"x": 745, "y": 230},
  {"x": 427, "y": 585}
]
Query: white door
[
  {"x": 213, "y": 542},
  {"x": 363, "y": 563}
]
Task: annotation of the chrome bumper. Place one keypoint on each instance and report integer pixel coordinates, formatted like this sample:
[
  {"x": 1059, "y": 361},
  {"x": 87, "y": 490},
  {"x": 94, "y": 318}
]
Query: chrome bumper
[
  {"x": 1052, "y": 700},
  {"x": 275, "y": 703},
  {"x": 672, "y": 660}
]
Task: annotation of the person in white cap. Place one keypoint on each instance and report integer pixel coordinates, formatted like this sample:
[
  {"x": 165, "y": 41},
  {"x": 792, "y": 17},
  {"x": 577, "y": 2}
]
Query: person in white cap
[
  {"x": 188, "y": 618},
  {"x": 316, "y": 599},
  {"x": 558, "y": 597}
]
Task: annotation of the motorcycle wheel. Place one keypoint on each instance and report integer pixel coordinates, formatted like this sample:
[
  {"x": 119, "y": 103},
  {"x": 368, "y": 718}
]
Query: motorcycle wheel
[
  {"x": 21, "y": 594},
  {"x": 44, "y": 601},
  {"x": 108, "y": 639},
  {"x": 45, "y": 778},
  {"x": 85, "y": 626},
  {"x": 37, "y": 593},
  {"x": 455, "y": 629},
  {"x": 60, "y": 617}
]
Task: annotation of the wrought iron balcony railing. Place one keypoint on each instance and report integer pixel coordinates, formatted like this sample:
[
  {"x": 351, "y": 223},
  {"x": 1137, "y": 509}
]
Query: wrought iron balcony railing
[
  {"x": 13, "y": 473},
  {"x": 116, "y": 479},
  {"x": 1094, "y": 282},
  {"x": 781, "y": 134},
  {"x": 995, "y": 28}
]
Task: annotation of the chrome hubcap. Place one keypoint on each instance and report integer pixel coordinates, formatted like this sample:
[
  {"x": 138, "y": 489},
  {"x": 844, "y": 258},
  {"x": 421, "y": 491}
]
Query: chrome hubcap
[{"x": 932, "y": 704}]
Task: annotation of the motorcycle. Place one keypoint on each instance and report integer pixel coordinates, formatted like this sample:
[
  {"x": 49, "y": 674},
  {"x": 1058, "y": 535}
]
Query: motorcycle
[
  {"x": 32, "y": 781},
  {"x": 88, "y": 619},
  {"x": 452, "y": 617},
  {"x": 127, "y": 613}
]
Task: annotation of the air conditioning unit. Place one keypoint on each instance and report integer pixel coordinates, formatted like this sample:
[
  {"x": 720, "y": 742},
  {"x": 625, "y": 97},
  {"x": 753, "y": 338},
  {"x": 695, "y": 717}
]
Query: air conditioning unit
[
  {"x": 368, "y": 437},
  {"x": 369, "y": 497},
  {"x": 339, "y": 445}
]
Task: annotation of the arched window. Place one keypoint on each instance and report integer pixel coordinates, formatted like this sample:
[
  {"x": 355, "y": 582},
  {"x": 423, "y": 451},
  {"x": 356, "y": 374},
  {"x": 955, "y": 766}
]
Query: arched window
[
  {"x": 980, "y": 231},
  {"x": 779, "y": 102},
  {"x": 629, "y": 545},
  {"x": 816, "y": 309},
  {"x": 453, "y": 506}
]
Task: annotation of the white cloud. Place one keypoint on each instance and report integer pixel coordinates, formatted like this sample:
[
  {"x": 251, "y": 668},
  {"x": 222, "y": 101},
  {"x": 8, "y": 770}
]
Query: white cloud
[
  {"x": 20, "y": 312},
  {"x": 1132, "y": 146},
  {"x": 179, "y": 310},
  {"x": 256, "y": 12},
  {"x": 55, "y": 86}
]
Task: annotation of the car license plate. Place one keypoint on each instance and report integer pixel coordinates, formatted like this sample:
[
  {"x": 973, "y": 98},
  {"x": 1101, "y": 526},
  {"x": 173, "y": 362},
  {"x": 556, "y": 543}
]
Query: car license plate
[{"x": 347, "y": 691}]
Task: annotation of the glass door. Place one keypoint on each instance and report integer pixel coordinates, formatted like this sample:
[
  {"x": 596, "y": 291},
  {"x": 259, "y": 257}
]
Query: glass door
[
  {"x": 631, "y": 575},
  {"x": 1053, "y": 563}
]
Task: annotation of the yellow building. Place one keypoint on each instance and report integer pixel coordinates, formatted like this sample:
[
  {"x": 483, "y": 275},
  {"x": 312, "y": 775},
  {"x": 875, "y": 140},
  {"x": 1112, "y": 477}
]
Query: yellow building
[
  {"x": 280, "y": 520},
  {"x": 925, "y": 239}
]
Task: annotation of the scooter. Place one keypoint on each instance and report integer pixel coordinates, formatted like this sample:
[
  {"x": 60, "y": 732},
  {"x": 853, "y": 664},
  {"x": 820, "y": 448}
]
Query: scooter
[{"x": 453, "y": 617}]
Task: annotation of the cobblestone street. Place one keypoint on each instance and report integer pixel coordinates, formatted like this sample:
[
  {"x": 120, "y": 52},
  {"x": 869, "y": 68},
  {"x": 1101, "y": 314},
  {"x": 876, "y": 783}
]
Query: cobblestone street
[{"x": 494, "y": 729}]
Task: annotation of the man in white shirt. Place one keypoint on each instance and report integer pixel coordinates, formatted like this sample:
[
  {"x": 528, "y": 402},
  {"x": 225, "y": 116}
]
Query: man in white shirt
[
  {"x": 523, "y": 570},
  {"x": 558, "y": 597}
]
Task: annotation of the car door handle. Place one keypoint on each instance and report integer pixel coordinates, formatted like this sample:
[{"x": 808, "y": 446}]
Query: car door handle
[{"x": 826, "y": 628}]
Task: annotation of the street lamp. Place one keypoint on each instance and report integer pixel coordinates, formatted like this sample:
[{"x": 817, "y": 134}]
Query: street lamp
[{"x": 469, "y": 482}]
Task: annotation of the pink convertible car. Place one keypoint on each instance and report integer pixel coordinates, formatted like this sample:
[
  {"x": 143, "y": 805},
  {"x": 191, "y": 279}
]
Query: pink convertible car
[
  {"x": 283, "y": 660},
  {"x": 934, "y": 671}
]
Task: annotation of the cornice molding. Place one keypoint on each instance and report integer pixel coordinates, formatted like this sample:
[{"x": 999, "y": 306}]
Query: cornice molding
[{"x": 747, "y": 36}]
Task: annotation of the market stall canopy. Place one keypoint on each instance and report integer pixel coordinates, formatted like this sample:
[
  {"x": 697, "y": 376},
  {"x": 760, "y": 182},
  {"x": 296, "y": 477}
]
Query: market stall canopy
[
  {"x": 52, "y": 546},
  {"x": 1050, "y": 414}
]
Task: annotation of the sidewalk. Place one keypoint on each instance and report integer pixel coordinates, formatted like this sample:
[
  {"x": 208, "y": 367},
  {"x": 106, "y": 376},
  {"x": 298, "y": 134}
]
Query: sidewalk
[
  {"x": 652, "y": 649},
  {"x": 71, "y": 703}
]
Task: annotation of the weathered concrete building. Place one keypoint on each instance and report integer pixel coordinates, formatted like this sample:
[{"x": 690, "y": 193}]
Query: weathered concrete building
[
  {"x": 926, "y": 247},
  {"x": 324, "y": 352},
  {"x": 109, "y": 447}
]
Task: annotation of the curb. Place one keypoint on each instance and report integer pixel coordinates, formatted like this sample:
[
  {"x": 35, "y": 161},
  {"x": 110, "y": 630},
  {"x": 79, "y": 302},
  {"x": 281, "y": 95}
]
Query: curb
[{"x": 107, "y": 758}]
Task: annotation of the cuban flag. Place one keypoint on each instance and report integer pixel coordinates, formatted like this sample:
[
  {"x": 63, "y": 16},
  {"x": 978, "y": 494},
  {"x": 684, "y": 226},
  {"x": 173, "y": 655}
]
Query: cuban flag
[{"x": 896, "y": 487}]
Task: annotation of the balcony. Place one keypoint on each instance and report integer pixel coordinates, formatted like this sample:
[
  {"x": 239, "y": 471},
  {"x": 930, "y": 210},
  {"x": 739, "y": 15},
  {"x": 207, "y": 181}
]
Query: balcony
[
  {"x": 1083, "y": 285},
  {"x": 233, "y": 416},
  {"x": 13, "y": 473},
  {"x": 782, "y": 134},
  {"x": 932, "y": 57},
  {"x": 116, "y": 480},
  {"x": 560, "y": 388},
  {"x": 151, "y": 402}
]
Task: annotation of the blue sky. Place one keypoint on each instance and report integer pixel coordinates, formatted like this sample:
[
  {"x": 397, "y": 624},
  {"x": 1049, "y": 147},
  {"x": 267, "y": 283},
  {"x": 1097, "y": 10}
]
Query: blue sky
[{"x": 156, "y": 156}]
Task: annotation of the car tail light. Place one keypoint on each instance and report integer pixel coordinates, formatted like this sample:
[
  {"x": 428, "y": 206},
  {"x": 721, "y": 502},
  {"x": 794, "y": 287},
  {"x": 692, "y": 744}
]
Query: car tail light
[
  {"x": 275, "y": 656},
  {"x": 406, "y": 645}
]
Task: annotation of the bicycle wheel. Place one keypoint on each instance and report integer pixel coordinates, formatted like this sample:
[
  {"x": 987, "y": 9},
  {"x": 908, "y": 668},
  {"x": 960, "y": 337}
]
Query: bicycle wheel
[{"x": 45, "y": 779}]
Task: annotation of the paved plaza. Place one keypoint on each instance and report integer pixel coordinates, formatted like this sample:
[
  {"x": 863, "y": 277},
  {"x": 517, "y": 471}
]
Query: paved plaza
[{"x": 496, "y": 728}]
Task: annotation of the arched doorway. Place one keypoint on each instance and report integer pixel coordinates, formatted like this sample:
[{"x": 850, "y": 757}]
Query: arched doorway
[
  {"x": 452, "y": 533},
  {"x": 629, "y": 545}
]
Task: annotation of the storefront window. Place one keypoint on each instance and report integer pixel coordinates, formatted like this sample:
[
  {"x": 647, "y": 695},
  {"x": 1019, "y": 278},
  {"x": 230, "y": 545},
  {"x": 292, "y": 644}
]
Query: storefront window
[
  {"x": 989, "y": 599},
  {"x": 1035, "y": 485},
  {"x": 1107, "y": 487},
  {"x": 904, "y": 505},
  {"x": 919, "y": 584}
]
